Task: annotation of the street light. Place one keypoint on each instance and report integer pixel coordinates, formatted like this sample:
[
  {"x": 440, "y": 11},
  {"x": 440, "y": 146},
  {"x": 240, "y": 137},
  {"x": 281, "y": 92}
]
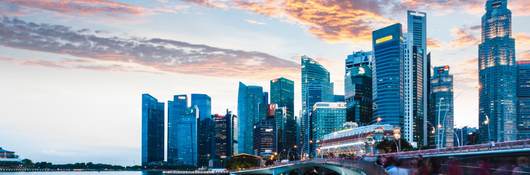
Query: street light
[
  {"x": 379, "y": 119},
  {"x": 487, "y": 122}
]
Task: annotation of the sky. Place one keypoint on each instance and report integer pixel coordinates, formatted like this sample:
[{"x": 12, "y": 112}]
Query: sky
[{"x": 72, "y": 72}]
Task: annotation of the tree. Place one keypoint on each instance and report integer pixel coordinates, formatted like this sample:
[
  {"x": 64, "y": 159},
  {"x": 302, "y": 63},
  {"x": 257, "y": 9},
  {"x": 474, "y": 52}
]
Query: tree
[
  {"x": 390, "y": 145},
  {"x": 27, "y": 163}
]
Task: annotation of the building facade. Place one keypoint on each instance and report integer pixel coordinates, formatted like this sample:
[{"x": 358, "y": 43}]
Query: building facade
[
  {"x": 388, "y": 85},
  {"x": 523, "y": 95},
  {"x": 224, "y": 138},
  {"x": 265, "y": 137},
  {"x": 177, "y": 109},
  {"x": 282, "y": 94},
  {"x": 442, "y": 94},
  {"x": 327, "y": 117},
  {"x": 186, "y": 140},
  {"x": 251, "y": 109},
  {"x": 316, "y": 87},
  {"x": 204, "y": 103},
  {"x": 354, "y": 141},
  {"x": 415, "y": 78},
  {"x": 358, "y": 87},
  {"x": 152, "y": 130},
  {"x": 497, "y": 70},
  {"x": 206, "y": 141}
]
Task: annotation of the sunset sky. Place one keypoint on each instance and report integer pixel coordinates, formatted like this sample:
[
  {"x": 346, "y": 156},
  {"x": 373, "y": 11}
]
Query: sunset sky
[{"x": 72, "y": 72}]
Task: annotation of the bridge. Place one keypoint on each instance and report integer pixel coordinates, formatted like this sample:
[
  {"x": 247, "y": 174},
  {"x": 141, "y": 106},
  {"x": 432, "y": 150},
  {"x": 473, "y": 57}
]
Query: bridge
[{"x": 366, "y": 165}]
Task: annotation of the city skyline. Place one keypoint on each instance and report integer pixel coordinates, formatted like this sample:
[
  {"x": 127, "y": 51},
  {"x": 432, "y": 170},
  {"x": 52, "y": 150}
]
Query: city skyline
[{"x": 46, "y": 79}]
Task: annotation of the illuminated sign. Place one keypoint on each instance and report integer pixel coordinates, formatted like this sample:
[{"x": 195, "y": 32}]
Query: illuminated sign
[
  {"x": 384, "y": 39},
  {"x": 181, "y": 97}
]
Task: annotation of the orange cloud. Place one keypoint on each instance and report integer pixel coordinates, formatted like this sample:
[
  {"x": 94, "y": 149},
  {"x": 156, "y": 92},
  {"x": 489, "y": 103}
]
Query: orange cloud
[
  {"x": 434, "y": 43},
  {"x": 465, "y": 36},
  {"x": 522, "y": 39},
  {"x": 525, "y": 55},
  {"x": 332, "y": 20}
]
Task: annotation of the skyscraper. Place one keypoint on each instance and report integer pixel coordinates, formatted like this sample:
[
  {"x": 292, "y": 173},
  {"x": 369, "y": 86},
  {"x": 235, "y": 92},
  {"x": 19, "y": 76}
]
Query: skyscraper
[
  {"x": 358, "y": 87},
  {"x": 442, "y": 94},
  {"x": 204, "y": 103},
  {"x": 250, "y": 109},
  {"x": 388, "y": 85},
  {"x": 282, "y": 94},
  {"x": 186, "y": 138},
  {"x": 316, "y": 87},
  {"x": 523, "y": 94},
  {"x": 265, "y": 136},
  {"x": 327, "y": 117},
  {"x": 224, "y": 138},
  {"x": 206, "y": 140},
  {"x": 152, "y": 130},
  {"x": 415, "y": 78},
  {"x": 497, "y": 75},
  {"x": 176, "y": 110}
]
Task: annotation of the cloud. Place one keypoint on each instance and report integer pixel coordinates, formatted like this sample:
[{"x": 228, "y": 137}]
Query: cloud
[
  {"x": 109, "y": 8},
  {"x": 525, "y": 55},
  {"x": 156, "y": 54},
  {"x": 333, "y": 20},
  {"x": 465, "y": 36},
  {"x": 434, "y": 43},
  {"x": 79, "y": 7},
  {"x": 522, "y": 40},
  {"x": 250, "y": 21}
]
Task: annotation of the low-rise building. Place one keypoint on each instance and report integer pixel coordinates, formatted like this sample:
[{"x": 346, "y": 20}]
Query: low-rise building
[{"x": 354, "y": 141}]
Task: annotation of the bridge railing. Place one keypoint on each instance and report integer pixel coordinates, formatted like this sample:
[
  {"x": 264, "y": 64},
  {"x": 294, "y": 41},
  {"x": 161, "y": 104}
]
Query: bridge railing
[{"x": 519, "y": 144}]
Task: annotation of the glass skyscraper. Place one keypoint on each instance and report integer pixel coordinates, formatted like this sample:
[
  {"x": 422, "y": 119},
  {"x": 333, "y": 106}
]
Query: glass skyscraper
[
  {"x": 316, "y": 87},
  {"x": 497, "y": 75},
  {"x": 442, "y": 94},
  {"x": 282, "y": 94},
  {"x": 204, "y": 103},
  {"x": 523, "y": 94},
  {"x": 176, "y": 110},
  {"x": 152, "y": 130},
  {"x": 415, "y": 78},
  {"x": 358, "y": 87},
  {"x": 186, "y": 138},
  {"x": 250, "y": 109},
  {"x": 388, "y": 85}
]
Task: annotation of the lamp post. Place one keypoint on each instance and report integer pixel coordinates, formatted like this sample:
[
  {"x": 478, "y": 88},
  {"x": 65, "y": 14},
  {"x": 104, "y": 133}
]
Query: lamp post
[{"x": 487, "y": 122}]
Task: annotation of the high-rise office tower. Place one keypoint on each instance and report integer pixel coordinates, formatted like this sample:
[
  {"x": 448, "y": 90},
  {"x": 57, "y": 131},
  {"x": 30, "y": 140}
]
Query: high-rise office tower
[
  {"x": 358, "y": 87},
  {"x": 265, "y": 136},
  {"x": 282, "y": 94},
  {"x": 176, "y": 110},
  {"x": 152, "y": 130},
  {"x": 186, "y": 138},
  {"x": 204, "y": 103},
  {"x": 523, "y": 94},
  {"x": 224, "y": 138},
  {"x": 251, "y": 109},
  {"x": 327, "y": 117},
  {"x": 442, "y": 94},
  {"x": 415, "y": 79},
  {"x": 316, "y": 87},
  {"x": 388, "y": 85},
  {"x": 205, "y": 128},
  {"x": 497, "y": 75},
  {"x": 206, "y": 140}
]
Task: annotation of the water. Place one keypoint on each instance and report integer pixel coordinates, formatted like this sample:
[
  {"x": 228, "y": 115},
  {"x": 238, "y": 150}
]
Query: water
[{"x": 84, "y": 173}]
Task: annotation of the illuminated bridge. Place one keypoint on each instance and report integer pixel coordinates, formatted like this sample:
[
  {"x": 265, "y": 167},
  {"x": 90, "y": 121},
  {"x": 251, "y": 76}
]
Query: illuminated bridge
[{"x": 467, "y": 156}]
